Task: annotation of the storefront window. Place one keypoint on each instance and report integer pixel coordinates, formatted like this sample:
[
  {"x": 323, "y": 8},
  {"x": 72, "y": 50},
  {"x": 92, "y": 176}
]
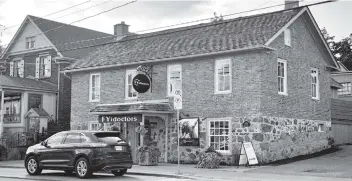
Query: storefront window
[{"x": 219, "y": 135}]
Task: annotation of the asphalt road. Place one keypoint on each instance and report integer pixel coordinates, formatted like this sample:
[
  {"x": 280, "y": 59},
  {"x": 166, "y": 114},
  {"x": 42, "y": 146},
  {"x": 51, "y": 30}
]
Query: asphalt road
[{"x": 15, "y": 174}]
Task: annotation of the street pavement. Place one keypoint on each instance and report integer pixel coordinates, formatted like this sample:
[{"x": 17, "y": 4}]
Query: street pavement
[{"x": 334, "y": 166}]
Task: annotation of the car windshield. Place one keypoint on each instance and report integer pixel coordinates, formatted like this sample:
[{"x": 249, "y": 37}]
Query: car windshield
[{"x": 108, "y": 137}]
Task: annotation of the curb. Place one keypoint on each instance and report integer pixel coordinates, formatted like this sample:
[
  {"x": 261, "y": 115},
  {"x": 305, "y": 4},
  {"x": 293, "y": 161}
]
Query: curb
[{"x": 130, "y": 173}]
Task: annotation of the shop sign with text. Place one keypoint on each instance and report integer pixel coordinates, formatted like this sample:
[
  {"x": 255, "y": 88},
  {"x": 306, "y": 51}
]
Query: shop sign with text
[{"x": 120, "y": 118}]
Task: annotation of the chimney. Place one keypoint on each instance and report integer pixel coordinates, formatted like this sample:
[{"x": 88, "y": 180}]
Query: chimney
[
  {"x": 121, "y": 29},
  {"x": 289, "y": 4}
]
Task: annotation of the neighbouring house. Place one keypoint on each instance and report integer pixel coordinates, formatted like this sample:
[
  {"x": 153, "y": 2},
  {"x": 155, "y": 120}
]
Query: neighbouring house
[
  {"x": 263, "y": 79},
  {"x": 33, "y": 90}
]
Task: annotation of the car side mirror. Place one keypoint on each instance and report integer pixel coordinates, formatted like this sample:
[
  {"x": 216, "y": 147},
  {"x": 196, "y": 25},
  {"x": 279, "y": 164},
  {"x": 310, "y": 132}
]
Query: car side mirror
[{"x": 44, "y": 143}]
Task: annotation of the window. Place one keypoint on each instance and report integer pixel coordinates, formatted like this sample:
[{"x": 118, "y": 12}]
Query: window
[
  {"x": 219, "y": 134},
  {"x": 56, "y": 138},
  {"x": 321, "y": 128},
  {"x": 223, "y": 76},
  {"x": 346, "y": 90},
  {"x": 174, "y": 79},
  {"x": 282, "y": 76},
  {"x": 43, "y": 66},
  {"x": 94, "y": 88},
  {"x": 30, "y": 42},
  {"x": 72, "y": 138},
  {"x": 17, "y": 68},
  {"x": 315, "y": 83},
  {"x": 108, "y": 137},
  {"x": 130, "y": 93},
  {"x": 94, "y": 126},
  {"x": 34, "y": 101},
  {"x": 287, "y": 34}
]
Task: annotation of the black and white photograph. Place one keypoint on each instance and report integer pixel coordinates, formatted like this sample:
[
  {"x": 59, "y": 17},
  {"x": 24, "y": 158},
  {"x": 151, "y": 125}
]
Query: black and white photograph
[{"x": 176, "y": 90}]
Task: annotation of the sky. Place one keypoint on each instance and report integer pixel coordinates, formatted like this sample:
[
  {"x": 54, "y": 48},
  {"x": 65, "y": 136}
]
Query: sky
[{"x": 146, "y": 14}]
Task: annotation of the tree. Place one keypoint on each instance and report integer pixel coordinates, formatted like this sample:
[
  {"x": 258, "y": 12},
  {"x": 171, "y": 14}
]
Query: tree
[{"x": 342, "y": 50}]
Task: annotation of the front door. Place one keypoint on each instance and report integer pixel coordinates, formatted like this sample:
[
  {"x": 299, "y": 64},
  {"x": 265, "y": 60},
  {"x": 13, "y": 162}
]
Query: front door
[{"x": 46, "y": 153}]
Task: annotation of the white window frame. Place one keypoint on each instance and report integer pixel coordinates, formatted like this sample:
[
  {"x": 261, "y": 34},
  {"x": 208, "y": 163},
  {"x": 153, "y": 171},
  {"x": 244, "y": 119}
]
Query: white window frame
[
  {"x": 346, "y": 90},
  {"x": 30, "y": 42},
  {"x": 170, "y": 68},
  {"x": 17, "y": 68},
  {"x": 288, "y": 37},
  {"x": 321, "y": 127},
  {"x": 97, "y": 88},
  {"x": 284, "y": 62},
  {"x": 218, "y": 63},
  {"x": 229, "y": 120},
  {"x": 43, "y": 66},
  {"x": 127, "y": 84},
  {"x": 317, "y": 97},
  {"x": 91, "y": 123}
]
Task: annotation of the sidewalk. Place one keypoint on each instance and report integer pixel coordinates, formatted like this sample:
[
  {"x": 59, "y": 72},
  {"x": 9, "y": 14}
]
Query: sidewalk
[{"x": 222, "y": 173}]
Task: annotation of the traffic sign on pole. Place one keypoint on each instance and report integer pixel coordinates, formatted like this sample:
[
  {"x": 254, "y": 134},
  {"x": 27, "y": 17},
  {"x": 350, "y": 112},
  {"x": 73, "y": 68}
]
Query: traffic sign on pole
[{"x": 178, "y": 99}]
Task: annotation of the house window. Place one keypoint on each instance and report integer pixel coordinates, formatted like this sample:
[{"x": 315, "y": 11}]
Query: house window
[
  {"x": 223, "y": 76},
  {"x": 34, "y": 101},
  {"x": 219, "y": 134},
  {"x": 130, "y": 93},
  {"x": 94, "y": 126},
  {"x": 94, "y": 87},
  {"x": 315, "y": 83},
  {"x": 321, "y": 128},
  {"x": 174, "y": 79},
  {"x": 287, "y": 34},
  {"x": 282, "y": 76},
  {"x": 17, "y": 68},
  {"x": 43, "y": 66},
  {"x": 346, "y": 90},
  {"x": 30, "y": 42}
]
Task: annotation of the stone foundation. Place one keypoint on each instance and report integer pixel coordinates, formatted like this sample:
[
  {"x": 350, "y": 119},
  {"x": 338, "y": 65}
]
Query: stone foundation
[{"x": 273, "y": 138}]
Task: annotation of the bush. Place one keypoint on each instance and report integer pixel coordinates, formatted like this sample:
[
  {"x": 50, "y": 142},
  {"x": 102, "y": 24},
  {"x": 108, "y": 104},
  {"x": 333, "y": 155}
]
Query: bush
[{"x": 209, "y": 159}]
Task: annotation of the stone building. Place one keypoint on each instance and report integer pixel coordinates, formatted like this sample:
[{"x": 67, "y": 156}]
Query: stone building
[{"x": 270, "y": 70}]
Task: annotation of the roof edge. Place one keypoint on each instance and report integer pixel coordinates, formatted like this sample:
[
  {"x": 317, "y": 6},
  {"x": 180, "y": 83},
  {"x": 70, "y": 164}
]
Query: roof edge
[{"x": 260, "y": 47}]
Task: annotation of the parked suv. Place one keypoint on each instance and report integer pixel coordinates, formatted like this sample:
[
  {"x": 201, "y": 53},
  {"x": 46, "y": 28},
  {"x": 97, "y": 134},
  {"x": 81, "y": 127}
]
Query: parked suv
[{"x": 82, "y": 152}]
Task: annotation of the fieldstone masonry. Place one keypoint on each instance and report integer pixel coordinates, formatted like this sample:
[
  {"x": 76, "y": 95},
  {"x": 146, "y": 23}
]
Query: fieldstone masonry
[{"x": 273, "y": 138}]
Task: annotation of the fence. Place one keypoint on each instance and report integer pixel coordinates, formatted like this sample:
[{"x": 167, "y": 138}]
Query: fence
[{"x": 341, "y": 121}]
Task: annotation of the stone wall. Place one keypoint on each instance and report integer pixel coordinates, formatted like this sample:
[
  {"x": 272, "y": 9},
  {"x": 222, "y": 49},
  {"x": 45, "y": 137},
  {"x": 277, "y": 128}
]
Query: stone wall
[{"x": 273, "y": 138}]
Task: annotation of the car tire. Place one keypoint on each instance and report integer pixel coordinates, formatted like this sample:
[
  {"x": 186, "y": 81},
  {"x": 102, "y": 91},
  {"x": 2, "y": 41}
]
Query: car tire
[
  {"x": 119, "y": 172},
  {"x": 83, "y": 168},
  {"x": 32, "y": 166}
]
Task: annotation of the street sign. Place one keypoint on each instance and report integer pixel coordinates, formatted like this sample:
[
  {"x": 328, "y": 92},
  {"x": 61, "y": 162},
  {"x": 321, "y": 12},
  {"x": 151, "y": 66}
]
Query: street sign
[
  {"x": 178, "y": 92},
  {"x": 177, "y": 102}
]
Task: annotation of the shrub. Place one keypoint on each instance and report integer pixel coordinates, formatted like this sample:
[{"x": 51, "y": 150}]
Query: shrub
[{"x": 209, "y": 159}]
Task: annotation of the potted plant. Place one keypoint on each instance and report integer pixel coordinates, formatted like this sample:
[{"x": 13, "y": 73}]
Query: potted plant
[
  {"x": 149, "y": 153},
  {"x": 209, "y": 159}
]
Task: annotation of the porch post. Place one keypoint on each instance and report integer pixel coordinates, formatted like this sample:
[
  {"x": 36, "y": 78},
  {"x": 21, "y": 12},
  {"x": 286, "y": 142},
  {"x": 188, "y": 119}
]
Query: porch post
[
  {"x": 166, "y": 136},
  {"x": 2, "y": 113}
]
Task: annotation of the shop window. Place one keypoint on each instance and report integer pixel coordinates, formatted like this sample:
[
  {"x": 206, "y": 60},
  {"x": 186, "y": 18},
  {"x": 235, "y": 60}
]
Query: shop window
[
  {"x": 94, "y": 88},
  {"x": 174, "y": 79},
  {"x": 130, "y": 93},
  {"x": 94, "y": 126},
  {"x": 43, "y": 66},
  {"x": 219, "y": 135},
  {"x": 17, "y": 68},
  {"x": 223, "y": 76}
]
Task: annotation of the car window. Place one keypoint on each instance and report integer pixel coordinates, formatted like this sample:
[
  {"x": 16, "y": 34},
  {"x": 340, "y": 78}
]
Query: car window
[
  {"x": 55, "y": 139},
  {"x": 108, "y": 137},
  {"x": 73, "y": 138}
]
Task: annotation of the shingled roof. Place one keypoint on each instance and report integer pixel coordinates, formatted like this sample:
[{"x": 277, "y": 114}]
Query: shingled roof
[
  {"x": 204, "y": 38},
  {"x": 21, "y": 83},
  {"x": 65, "y": 37}
]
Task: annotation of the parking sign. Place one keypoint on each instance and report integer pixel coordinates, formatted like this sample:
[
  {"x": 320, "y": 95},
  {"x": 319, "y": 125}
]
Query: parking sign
[{"x": 178, "y": 99}]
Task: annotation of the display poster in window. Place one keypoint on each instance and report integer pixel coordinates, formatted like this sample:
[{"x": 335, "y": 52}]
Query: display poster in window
[
  {"x": 12, "y": 109},
  {"x": 189, "y": 132},
  {"x": 247, "y": 156}
]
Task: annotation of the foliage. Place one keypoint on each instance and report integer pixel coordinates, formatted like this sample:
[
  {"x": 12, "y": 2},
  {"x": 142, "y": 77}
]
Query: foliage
[
  {"x": 150, "y": 147},
  {"x": 342, "y": 50},
  {"x": 209, "y": 159}
]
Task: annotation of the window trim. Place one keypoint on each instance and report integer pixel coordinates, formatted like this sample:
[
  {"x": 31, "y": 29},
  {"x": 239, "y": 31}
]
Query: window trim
[
  {"x": 285, "y": 92},
  {"x": 42, "y": 67},
  {"x": 216, "y": 80},
  {"x": 321, "y": 127},
  {"x": 229, "y": 120},
  {"x": 288, "y": 37},
  {"x": 342, "y": 95},
  {"x": 90, "y": 87},
  {"x": 30, "y": 42},
  {"x": 169, "y": 67},
  {"x": 126, "y": 84},
  {"x": 90, "y": 124},
  {"x": 317, "y": 88}
]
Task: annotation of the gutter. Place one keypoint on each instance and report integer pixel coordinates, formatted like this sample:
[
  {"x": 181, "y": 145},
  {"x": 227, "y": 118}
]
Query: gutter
[{"x": 261, "y": 47}]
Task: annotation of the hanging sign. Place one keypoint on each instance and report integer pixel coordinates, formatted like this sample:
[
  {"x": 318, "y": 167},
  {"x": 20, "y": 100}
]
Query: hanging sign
[
  {"x": 247, "y": 155},
  {"x": 189, "y": 132},
  {"x": 120, "y": 118},
  {"x": 141, "y": 83}
]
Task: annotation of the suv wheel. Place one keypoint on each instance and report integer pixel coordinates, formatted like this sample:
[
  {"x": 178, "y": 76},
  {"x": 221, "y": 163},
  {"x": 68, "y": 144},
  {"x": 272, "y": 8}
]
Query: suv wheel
[
  {"x": 82, "y": 168},
  {"x": 32, "y": 166},
  {"x": 120, "y": 172}
]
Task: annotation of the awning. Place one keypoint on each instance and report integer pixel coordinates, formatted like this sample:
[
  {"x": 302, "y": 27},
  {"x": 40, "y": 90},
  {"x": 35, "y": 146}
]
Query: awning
[{"x": 132, "y": 108}]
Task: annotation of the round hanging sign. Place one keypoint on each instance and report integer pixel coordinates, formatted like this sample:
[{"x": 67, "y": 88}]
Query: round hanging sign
[{"x": 141, "y": 83}]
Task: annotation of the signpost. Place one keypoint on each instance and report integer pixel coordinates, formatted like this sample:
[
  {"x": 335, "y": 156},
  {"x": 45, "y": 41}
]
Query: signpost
[
  {"x": 247, "y": 156},
  {"x": 178, "y": 106}
]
